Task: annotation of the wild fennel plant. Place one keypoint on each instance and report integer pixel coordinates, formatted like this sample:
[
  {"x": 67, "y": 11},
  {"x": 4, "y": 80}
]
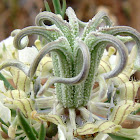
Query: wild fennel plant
[{"x": 76, "y": 49}]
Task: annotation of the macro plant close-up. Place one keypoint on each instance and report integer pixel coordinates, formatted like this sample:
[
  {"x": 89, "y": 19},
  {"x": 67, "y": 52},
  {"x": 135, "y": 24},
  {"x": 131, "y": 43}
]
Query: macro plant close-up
[{"x": 76, "y": 82}]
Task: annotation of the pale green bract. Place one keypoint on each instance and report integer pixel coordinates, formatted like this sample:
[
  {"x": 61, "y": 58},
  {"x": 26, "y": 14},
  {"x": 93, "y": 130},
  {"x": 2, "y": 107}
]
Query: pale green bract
[{"x": 76, "y": 49}]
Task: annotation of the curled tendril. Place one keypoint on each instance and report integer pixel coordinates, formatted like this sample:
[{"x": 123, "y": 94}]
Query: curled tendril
[
  {"x": 105, "y": 38},
  {"x": 53, "y": 46},
  {"x": 14, "y": 63},
  {"x": 95, "y": 22},
  {"x": 44, "y": 32},
  {"x": 58, "y": 21},
  {"x": 96, "y": 44},
  {"x": 15, "y": 32},
  {"x": 24, "y": 41},
  {"x": 55, "y": 19},
  {"x": 124, "y": 30}
]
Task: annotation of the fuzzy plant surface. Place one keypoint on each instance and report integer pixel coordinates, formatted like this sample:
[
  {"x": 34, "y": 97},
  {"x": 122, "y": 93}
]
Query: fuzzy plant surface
[{"x": 71, "y": 57}]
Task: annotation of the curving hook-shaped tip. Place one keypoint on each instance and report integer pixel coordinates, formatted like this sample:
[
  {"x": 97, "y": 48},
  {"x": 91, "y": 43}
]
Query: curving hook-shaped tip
[
  {"x": 53, "y": 46},
  {"x": 74, "y": 80},
  {"x": 14, "y": 63},
  {"x": 123, "y": 52},
  {"x": 24, "y": 41},
  {"x": 127, "y": 31}
]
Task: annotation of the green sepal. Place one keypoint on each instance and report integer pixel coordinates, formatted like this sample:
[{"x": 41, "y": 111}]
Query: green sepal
[
  {"x": 42, "y": 133},
  {"x": 26, "y": 126}
]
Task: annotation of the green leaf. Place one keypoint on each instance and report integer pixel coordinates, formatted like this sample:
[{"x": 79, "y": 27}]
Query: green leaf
[
  {"x": 47, "y": 6},
  {"x": 4, "y": 122},
  {"x": 114, "y": 137},
  {"x": 42, "y": 133},
  {"x": 57, "y": 6},
  {"x": 3, "y": 129},
  {"x": 36, "y": 133},
  {"x": 6, "y": 83},
  {"x": 26, "y": 126},
  {"x": 64, "y": 8}
]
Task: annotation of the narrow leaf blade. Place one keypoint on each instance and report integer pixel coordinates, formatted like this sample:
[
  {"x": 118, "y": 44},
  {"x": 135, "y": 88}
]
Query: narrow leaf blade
[
  {"x": 6, "y": 83},
  {"x": 25, "y": 126},
  {"x": 64, "y": 8},
  {"x": 47, "y": 7},
  {"x": 42, "y": 133},
  {"x": 114, "y": 137},
  {"x": 57, "y": 6}
]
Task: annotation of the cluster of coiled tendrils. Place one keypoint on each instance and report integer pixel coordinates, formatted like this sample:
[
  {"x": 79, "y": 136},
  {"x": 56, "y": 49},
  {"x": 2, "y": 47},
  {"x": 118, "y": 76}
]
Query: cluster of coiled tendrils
[
  {"x": 70, "y": 47},
  {"x": 76, "y": 49}
]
